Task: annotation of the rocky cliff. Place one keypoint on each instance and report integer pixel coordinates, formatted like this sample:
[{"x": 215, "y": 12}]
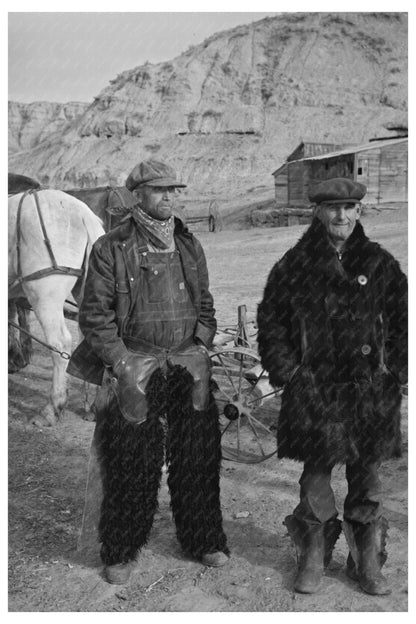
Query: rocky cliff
[
  {"x": 31, "y": 124},
  {"x": 227, "y": 112}
]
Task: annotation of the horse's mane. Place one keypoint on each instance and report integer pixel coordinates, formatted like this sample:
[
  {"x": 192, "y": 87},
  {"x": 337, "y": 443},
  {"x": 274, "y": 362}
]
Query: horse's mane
[{"x": 18, "y": 183}]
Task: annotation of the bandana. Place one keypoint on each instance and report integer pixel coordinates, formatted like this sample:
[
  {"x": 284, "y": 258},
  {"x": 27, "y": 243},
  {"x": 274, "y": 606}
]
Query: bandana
[{"x": 159, "y": 233}]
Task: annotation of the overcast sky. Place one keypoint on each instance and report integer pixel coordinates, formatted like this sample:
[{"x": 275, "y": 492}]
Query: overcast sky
[
  {"x": 72, "y": 55},
  {"x": 62, "y": 57}
]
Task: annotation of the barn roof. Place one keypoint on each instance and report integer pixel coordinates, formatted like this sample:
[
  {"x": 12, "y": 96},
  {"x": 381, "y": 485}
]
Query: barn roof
[{"x": 348, "y": 150}]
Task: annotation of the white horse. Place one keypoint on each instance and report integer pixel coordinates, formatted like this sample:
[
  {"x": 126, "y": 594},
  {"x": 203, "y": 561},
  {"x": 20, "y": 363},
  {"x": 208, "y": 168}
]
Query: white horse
[{"x": 51, "y": 235}]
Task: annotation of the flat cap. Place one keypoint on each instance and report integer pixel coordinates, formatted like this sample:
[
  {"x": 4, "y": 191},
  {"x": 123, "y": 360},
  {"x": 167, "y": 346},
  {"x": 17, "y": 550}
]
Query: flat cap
[
  {"x": 337, "y": 191},
  {"x": 152, "y": 173}
]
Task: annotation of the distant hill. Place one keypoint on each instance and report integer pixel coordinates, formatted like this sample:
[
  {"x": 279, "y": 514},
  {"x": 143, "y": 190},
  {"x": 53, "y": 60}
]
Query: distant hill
[{"x": 227, "y": 112}]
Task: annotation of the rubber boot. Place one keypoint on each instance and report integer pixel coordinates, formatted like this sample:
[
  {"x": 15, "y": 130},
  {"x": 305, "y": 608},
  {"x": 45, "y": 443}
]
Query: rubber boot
[
  {"x": 367, "y": 555},
  {"x": 310, "y": 547}
]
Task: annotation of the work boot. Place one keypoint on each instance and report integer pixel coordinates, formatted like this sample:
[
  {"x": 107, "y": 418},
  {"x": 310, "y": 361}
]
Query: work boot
[
  {"x": 119, "y": 573},
  {"x": 367, "y": 555},
  {"x": 310, "y": 549}
]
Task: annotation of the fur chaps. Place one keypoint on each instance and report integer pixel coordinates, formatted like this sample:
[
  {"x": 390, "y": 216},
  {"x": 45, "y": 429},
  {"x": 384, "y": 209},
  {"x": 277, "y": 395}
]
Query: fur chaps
[
  {"x": 131, "y": 459},
  {"x": 194, "y": 458}
]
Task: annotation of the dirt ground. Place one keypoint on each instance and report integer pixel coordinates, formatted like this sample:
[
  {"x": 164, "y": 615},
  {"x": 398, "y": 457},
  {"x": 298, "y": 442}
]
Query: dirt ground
[{"x": 48, "y": 468}]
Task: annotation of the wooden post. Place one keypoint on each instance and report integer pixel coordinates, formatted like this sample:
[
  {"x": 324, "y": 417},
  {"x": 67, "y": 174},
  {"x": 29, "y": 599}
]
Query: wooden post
[{"x": 242, "y": 339}]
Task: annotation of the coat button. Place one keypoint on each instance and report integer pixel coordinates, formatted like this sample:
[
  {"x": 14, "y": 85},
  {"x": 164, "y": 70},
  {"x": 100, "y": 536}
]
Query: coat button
[
  {"x": 362, "y": 280},
  {"x": 366, "y": 349},
  {"x": 132, "y": 279},
  {"x": 156, "y": 272}
]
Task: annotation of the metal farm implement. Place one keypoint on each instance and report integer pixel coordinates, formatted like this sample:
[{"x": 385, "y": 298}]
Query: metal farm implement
[{"x": 248, "y": 404}]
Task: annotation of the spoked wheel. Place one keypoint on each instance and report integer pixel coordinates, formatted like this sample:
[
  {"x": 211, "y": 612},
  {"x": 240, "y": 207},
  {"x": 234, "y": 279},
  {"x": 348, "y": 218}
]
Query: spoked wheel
[{"x": 248, "y": 413}]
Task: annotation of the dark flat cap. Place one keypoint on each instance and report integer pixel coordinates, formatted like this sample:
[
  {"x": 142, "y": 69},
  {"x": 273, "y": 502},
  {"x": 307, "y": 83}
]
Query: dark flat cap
[
  {"x": 337, "y": 191},
  {"x": 152, "y": 173}
]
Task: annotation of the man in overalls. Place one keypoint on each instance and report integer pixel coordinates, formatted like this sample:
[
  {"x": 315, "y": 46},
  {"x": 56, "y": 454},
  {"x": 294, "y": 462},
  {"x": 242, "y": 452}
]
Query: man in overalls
[{"x": 148, "y": 321}]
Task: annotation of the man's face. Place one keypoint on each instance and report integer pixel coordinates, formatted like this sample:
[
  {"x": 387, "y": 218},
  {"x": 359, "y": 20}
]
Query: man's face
[
  {"x": 339, "y": 219},
  {"x": 156, "y": 201}
]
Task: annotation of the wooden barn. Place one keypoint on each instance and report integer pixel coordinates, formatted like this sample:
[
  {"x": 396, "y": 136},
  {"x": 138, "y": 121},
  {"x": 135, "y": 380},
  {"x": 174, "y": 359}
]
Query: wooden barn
[{"x": 380, "y": 164}]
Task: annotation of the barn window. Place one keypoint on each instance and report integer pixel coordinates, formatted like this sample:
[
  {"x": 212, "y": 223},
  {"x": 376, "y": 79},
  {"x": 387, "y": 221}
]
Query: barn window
[{"x": 360, "y": 171}]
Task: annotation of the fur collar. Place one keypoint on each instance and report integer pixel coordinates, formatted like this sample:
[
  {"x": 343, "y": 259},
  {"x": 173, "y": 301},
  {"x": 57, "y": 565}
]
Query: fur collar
[{"x": 323, "y": 258}]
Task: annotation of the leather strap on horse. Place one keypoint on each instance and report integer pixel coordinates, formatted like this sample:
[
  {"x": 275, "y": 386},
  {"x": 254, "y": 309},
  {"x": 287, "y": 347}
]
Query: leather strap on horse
[
  {"x": 55, "y": 268},
  {"x": 63, "y": 354}
]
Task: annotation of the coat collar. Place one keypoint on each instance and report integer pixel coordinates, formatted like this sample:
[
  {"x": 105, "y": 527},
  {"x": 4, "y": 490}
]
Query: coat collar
[{"x": 322, "y": 256}]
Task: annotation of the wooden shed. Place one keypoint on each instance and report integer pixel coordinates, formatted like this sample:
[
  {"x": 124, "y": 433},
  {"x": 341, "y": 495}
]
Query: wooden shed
[{"x": 380, "y": 164}]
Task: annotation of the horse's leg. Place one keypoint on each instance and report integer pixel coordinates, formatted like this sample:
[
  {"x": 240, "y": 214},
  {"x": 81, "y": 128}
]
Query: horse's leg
[
  {"x": 19, "y": 344},
  {"x": 47, "y": 296}
]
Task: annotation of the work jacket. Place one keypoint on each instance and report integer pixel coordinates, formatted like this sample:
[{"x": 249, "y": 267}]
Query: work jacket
[
  {"x": 110, "y": 295},
  {"x": 333, "y": 332}
]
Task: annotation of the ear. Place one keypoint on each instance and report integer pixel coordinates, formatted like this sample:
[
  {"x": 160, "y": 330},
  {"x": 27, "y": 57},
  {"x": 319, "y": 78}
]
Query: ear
[
  {"x": 315, "y": 210},
  {"x": 358, "y": 209}
]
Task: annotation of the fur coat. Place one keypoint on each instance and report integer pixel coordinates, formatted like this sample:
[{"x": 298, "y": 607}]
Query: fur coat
[{"x": 333, "y": 332}]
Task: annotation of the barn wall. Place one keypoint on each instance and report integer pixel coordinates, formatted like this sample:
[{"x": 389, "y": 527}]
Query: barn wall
[
  {"x": 296, "y": 184},
  {"x": 336, "y": 167},
  {"x": 368, "y": 173},
  {"x": 393, "y": 173},
  {"x": 281, "y": 189}
]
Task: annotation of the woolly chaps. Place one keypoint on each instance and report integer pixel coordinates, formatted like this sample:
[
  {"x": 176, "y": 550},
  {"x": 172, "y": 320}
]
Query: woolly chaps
[
  {"x": 131, "y": 459},
  {"x": 193, "y": 458}
]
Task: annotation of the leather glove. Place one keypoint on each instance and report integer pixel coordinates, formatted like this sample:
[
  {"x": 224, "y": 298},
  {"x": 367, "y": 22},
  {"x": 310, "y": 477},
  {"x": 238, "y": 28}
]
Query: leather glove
[
  {"x": 130, "y": 376},
  {"x": 121, "y": 364}
]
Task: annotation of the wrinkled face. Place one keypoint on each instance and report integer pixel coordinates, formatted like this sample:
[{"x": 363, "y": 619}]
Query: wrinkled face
[
  {"x": 339, "y": 219},
  {"x": 156, "y": 201}
]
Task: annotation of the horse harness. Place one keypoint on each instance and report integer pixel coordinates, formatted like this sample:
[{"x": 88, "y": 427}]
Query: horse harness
[{"x": 55, "y": 268}]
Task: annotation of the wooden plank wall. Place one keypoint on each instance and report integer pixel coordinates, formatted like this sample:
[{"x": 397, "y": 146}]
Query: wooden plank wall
[
  {"x": 337, "y": 167},
  {"x": 393, "y": 173},
  {"x": 296, "y": 189},
  {"x": 281, "y": 189}
]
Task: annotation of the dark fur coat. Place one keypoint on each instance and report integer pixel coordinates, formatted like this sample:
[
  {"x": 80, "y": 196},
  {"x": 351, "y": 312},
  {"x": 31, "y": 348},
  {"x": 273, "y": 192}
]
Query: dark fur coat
[{"x": 333, "y": 331}]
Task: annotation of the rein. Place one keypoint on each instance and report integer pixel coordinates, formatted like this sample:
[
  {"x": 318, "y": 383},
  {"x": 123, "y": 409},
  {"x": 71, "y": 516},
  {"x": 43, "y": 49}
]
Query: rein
[{"x": 63, "y": 354}]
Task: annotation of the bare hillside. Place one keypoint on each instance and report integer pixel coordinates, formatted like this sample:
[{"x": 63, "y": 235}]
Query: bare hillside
[{"x": 227, "y": 112}]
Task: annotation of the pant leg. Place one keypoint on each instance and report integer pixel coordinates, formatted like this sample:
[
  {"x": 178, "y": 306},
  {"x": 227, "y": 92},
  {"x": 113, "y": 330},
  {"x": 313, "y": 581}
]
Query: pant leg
[
  {"x": 363, "y": 503},
  {"x": 317, "y": 500},
  {"x": 131, "y": 458},
  {"x": 193, "y": 459}
]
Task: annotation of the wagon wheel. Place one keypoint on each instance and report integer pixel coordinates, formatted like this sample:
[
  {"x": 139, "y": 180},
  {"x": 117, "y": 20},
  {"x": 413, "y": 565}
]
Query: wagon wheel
[{"x": 241, "y": 391}]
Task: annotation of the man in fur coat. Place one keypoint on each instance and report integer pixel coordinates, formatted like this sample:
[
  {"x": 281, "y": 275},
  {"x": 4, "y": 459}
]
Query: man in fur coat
[
  {"x": 333, "y": 332},
  {"x": 148, "y": 320}
]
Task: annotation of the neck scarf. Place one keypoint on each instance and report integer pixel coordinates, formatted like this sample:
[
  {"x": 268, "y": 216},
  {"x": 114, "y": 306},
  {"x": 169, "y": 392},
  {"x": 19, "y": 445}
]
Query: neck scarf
[{"x": 159, "y": 233}]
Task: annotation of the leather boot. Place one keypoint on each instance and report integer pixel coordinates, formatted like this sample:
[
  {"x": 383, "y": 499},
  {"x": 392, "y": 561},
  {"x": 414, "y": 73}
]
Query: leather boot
[
  {"x": 310, "y": 547},
  {"x": 367, "y": 555}
]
